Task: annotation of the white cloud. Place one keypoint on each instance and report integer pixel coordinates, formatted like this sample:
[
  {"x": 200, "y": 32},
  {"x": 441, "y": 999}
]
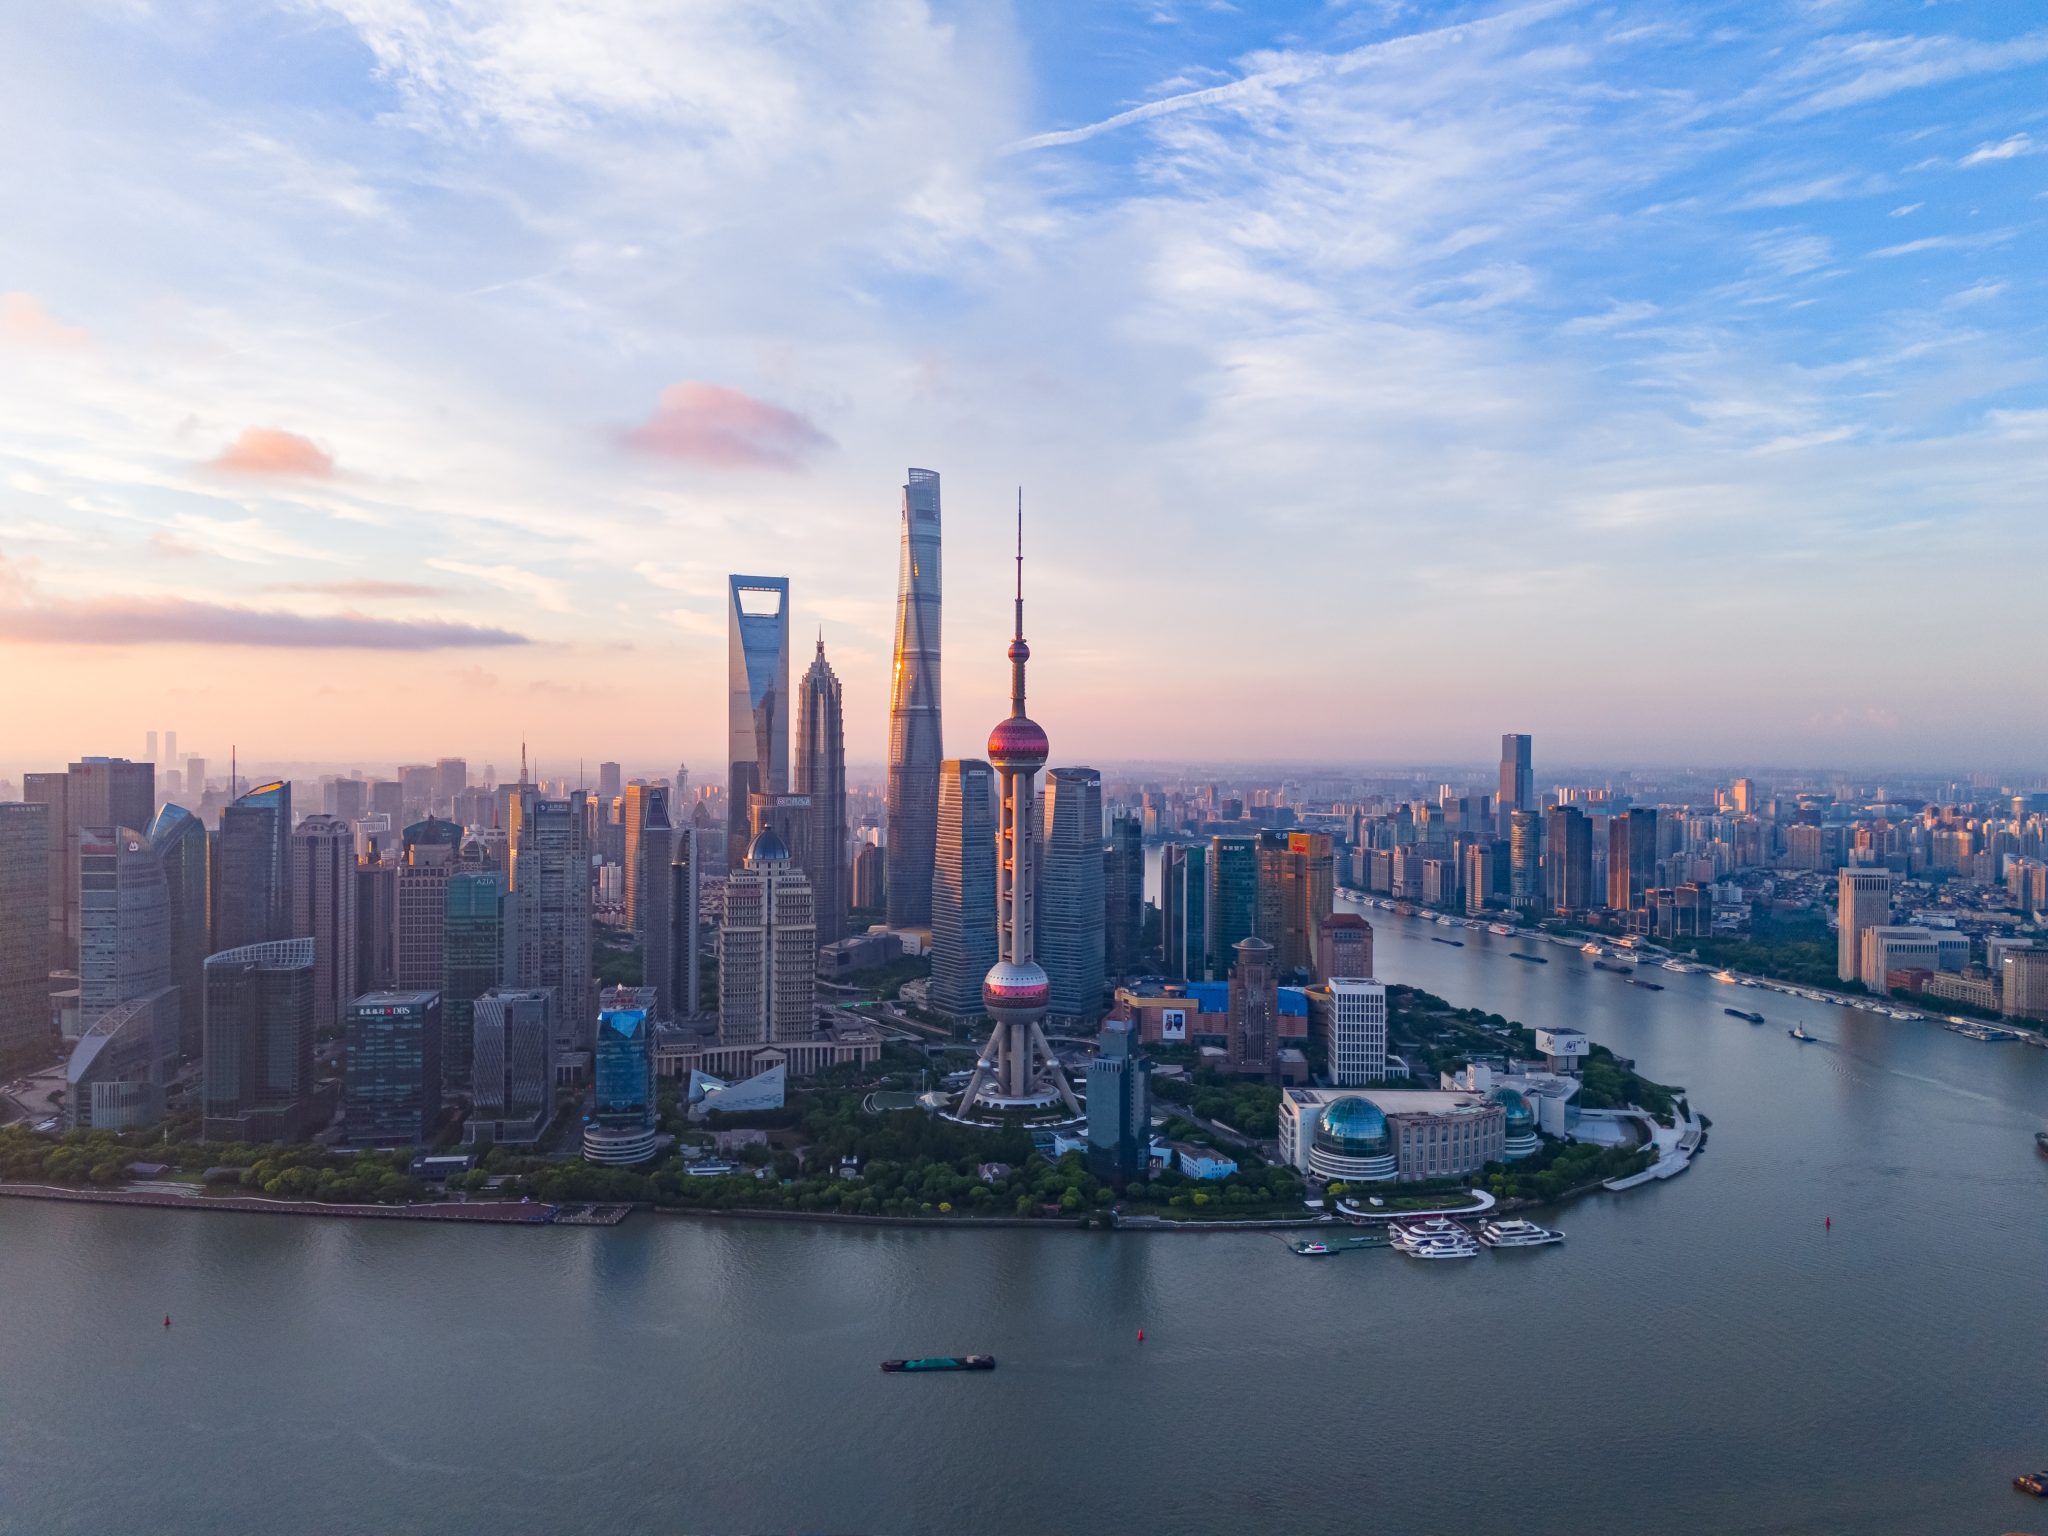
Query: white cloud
[{"x": 2005, "y": 149}]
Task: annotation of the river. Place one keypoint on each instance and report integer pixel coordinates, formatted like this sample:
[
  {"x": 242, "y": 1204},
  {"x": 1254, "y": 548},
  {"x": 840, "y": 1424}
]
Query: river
[{"x": 1702, "y": 1354}]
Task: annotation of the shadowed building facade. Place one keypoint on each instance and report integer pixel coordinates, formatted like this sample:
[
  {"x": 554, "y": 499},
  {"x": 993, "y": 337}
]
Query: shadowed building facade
[
  {"x": 258, "y": 1074},
  {"x": 964, "y": 944},
  {"x": 1070, "y": 909},
  {"x": 821, "y": 776},
  {"x": 252, "y": 866},
  {"x": 914, "y": 750}
]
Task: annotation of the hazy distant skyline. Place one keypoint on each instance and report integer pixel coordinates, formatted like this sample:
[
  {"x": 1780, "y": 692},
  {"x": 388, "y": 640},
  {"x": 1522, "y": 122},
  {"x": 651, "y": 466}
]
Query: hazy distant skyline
[{"x": 382, "y": 378}]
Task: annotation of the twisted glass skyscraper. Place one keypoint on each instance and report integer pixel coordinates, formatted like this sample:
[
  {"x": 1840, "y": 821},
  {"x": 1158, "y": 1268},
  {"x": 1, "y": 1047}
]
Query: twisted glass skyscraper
[
  {"x": 758, "y": 708},
  {"x": 914, "y": 751}
]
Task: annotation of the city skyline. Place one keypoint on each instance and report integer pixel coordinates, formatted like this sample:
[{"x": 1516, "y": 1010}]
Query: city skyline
[{"x": 467, "y": 364}]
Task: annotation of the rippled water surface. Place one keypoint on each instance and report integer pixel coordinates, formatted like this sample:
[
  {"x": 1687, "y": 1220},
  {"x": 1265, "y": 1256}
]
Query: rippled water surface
[{"x": 1700, "y": 1355}]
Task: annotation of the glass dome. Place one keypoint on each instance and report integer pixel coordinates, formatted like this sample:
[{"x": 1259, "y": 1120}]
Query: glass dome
[
  {"x": 1520, "y": 1116},
  {"x": 1353, "y": 1127}
]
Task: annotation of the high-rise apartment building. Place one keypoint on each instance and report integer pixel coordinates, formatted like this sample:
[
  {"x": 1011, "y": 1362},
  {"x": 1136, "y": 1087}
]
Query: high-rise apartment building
[
  {"x": 1517, "y": 789},
  {"x": 682, "y": 990},
  {"x": 767, "y": 950},
  {"x": 391, "y": 1086},
  {"x": 1233, "y": 898},
  {"x": 124, "y": 940},
  {"x": 24, "y": 926},
  {"x": 258, "y": 1074},
  {"x": 324, "y": 910},
  {"x": 914, "y": 750},
  {"x": 757, "y": 665},
  {"x": 252, "y": 869},
  {"x": 963, "y": 902},
  {"x": 1183, "y": 911},
  {"x": 1070, "y": 908},
  {"x": 1631, "y": 857},
  {"x": 548, "y": 944},
  {"x": 1863, "y": 899},
  {"x": 179, "y": 842},
  {"x": 100, "y": 795},
  {"x": 472, "y": 963},
  {"x": 821, "y": 777},
  {"x": 428, "y": 851},
  {"x": 376, "y": 925},
  {"x": 1567, "y": 859},
  {"x": 1123, "y": 895},
  {"x": 1357, "y": 1031}
]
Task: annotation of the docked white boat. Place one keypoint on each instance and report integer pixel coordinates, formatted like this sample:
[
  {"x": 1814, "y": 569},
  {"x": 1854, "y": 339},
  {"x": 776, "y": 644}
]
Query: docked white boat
[
  {"x": 1591, "y": 949},
  {"x": 1442, "y": 1248},
  {"x": 1515, "y": 1233},
  {"x": 1727, "y": 976},
  {"x": 1500, "y": 928}
]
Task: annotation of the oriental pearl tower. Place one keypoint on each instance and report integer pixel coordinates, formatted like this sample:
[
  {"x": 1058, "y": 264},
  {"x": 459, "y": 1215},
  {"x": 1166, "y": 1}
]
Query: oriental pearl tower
[{"x": 1017, "y": 1071}]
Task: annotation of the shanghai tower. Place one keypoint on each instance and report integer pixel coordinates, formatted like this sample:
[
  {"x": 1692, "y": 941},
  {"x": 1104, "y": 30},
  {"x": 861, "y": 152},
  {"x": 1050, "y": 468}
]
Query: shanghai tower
[
  {"x": 1017, "y": 1073},
  {"x": 914, "y": 751}
]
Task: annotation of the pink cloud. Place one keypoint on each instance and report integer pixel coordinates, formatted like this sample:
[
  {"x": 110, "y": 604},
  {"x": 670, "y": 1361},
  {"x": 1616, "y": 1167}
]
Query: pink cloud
[
  {"x": 175, "y": 621},
  {"x": 23, "y": 319},
  {"x": 725, "y": 428},
  {"x": 273, "y": 451}
]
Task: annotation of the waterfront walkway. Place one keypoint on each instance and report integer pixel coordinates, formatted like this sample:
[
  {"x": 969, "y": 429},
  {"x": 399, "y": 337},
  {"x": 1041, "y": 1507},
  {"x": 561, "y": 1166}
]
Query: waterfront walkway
[{"x": 501, "y": 1213}]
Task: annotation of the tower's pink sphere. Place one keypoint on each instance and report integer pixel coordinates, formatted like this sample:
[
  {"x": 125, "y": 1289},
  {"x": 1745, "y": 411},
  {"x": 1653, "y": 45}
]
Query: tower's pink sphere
[{"x": 1018, "y": 743}]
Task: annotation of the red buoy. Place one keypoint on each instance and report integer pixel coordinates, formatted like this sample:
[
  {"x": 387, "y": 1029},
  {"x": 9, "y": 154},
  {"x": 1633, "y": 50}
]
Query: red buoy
[
  {"x": 167, "y": 1319},
  {"x": 1828, "y": 1223},
  {"x": 1141, "y": 1335}
]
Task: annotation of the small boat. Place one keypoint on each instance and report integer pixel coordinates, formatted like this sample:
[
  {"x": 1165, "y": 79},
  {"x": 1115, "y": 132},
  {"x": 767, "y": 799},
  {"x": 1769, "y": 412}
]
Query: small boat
[
  {"x": 1516, "y": 954},
  {"x": 1651, "y": 986},
  {"x": 1500, "y": 928},
  {"x": 1590, "y": 948},
  {"x": 1743, "y": 1013},
  {"x": 2035, "y": 1483},
  {"x": 1514, "y": 1233},
  {"x": 1314, "y": 1250},
  {"x": 2041, "y": 1142},
  {"x": 1619, "y": 970},
  {"x": 943, "y": 1363},
  {"x": 1437, "y": 938},
  {"x": 1727, "y": 976},
  {"x": 1798, "y": 1032}
]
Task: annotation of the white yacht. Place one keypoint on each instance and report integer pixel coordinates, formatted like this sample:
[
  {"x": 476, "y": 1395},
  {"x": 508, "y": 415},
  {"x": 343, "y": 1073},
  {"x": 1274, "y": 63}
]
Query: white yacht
[
  {"x": 1514, "y": 1233},
  {"x": 1590, "y": 948},
  {"x": 1500, "y": 928},
  {"x": 1442, "y": 1248}
]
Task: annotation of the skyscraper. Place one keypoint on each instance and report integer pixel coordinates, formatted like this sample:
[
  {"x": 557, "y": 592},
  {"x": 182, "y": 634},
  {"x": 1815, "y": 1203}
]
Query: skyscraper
[
  {"x": 472, "y": 961},
  {"x": 821, "y": 775},
  {"x": 324, "y": 910},
  {"x": 1344, "y": 947},
  {"x": 124, "y": 942},
  {"x": 52, "y": 791},
  {"x": 964, "y": 944},
  {"x": 376, "y": 925},
  {"x": 1017, "y": 1069},
  {"x": 645, "y": 805},
  {"x": 609, "y": 783},
  {"x": 914, "y": 750},
  {"x": 1070, "y": 911},
  {"x": 1254, "y": 1009},
  {"x": 1567, "y": 859},
  {"x": 451, "y": 778},
  {"x": 651, "y": 855},
  {"x": 1525, "y": 859},
  {"x": 1119, "y": 1117},
  {"x": 427, "y": 854},
  {"x": 1183, "y": 911},
  {"x": 1123, "y": 895},
  {"x": 258, "y": 1074},
  {"x": 179, "y": 842},
  {"x": 549, "y": 941},
  {"x": 101, "y": 795},
  {"x": 767, "y": 950},
  {"x": 1863, "y": 899},
  {"x": 391, "y": 1085},
  {"x": 1517, "y": 781},
  {"x": 1233, "y": 898},
  {"x": 621, "y": 1129},
  {"x": 1631, "y": 857},
  {"x": 252, "y": 887},
  {"x": 513, "y": 1067},
  {"x": 682, "y": 990},
  {"x": 24, "y": 926},
  {"x": 757, "y": 664}
]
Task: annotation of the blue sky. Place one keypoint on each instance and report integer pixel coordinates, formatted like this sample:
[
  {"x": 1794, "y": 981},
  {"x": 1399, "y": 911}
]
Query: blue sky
[{"x": 1665, "y": 379}]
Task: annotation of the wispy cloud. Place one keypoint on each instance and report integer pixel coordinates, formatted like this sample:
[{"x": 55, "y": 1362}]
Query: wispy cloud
[
  {"x": 363, "y": 589},
  {"x": 25, "y": 322},
  {"x": 722, "y": 428},
  {"x": 118, "y": 621},
  {"x": 2005, "y": 149},
  {"x": 547, "y": 591}
]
